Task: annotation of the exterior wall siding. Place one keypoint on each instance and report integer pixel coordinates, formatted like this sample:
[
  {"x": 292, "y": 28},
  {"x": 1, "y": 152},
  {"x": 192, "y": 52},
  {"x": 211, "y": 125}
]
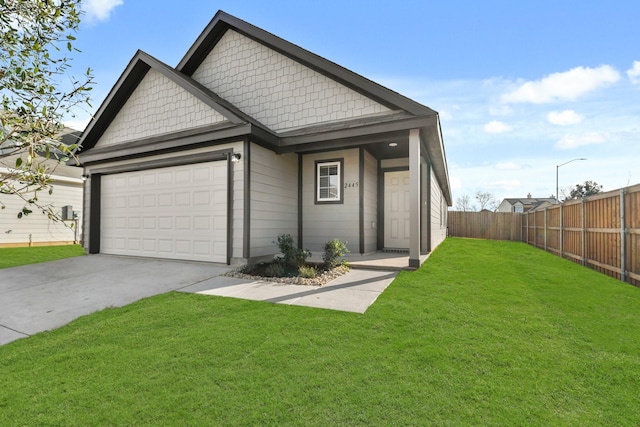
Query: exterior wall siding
[
  {"x": 438, "y": 213},
  {"x": 370, "y": 203},
  {"x": 323, "y": 222},
  {"x": 238, "y": 192},
  {"x": 274, "y": 199},
  {"x": 36, "y": 228},
  {"x": 276, "y": 90},
  {"x": 157, "y": 106}
]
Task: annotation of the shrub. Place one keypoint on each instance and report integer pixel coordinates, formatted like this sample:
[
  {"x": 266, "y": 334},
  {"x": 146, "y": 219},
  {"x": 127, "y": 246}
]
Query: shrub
[
  {"x": 308, "y": 272},
  {"x": 293, "y": 256},
  {"x": 275, "y": 269},
  {"x": 333, "y": 250}
]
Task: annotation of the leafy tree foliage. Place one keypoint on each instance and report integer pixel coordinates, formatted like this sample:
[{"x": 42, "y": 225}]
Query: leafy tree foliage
[
  {"x": 583, "y": 190},
  {"x": 36, "y": 37}
]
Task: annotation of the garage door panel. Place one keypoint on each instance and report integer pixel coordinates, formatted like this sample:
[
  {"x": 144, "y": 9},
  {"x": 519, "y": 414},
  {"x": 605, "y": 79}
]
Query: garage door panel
[{"x": 178, "y": 212}]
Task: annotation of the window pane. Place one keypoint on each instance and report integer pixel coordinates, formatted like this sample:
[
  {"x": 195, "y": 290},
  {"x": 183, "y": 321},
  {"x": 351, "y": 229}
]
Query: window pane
[{"x": 328, "y": 181}]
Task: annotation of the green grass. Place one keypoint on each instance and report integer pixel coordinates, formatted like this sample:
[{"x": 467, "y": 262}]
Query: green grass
[
  {"x": 485, "y": 333},
  {"x": 13, "y": 257}
]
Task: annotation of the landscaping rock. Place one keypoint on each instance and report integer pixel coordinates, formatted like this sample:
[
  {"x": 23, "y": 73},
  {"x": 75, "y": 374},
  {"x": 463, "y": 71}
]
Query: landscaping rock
[{"x": 320, "y": 280}]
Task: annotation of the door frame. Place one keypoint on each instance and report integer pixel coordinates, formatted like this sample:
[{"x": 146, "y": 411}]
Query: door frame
[{"x": 381, "y": 201}]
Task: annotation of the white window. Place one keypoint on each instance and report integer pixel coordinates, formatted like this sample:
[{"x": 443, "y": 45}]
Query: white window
[
  {"x": 518, "y": 209},
  {"x": 329, "y": 181}
]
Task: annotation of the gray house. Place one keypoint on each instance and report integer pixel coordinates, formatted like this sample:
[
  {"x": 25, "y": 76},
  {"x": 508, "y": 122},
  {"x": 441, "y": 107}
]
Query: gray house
[{"x": 249, "y": 137}]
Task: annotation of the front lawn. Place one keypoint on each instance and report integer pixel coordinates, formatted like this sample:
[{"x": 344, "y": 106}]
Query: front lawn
[
  {"x": 13, "y": 257},
  {"x": 484, "y": 333}
]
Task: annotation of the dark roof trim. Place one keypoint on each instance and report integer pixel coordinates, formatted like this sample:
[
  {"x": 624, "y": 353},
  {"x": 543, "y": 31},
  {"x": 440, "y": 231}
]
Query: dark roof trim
[
  {"x": 214, "y": 135},
  {"x": 373, "y": 129},
  {"x": 435, "y": 151},
  {"x": 222, "y": 21},
  {"x": 130, "y": 79}
]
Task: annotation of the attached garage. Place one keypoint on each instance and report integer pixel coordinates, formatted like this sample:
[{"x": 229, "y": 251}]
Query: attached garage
[{"x": 177, "y": 212}]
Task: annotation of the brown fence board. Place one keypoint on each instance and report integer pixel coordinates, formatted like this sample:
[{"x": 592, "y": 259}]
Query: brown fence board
[{"x": 485, "y": 225}]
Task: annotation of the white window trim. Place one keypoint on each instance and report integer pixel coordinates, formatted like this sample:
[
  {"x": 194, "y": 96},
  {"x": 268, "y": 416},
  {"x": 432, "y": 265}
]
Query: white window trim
[{"x": 321, "y": 164}]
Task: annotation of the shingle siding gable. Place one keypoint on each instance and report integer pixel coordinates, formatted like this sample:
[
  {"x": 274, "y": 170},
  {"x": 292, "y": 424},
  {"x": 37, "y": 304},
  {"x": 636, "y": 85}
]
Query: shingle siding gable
[
  {"x": 157, "y": 106},
  {"x": 274, "y": 89}
]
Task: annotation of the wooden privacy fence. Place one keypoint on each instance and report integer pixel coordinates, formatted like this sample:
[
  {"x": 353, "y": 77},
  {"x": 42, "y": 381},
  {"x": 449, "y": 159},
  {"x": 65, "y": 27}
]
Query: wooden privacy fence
[
  {"x": 485, "y": 225},
  {"x": 601, "y": 231}
]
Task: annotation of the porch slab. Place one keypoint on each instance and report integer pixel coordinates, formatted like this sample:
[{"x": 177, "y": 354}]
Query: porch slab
[{"x": 376, "y": 261}]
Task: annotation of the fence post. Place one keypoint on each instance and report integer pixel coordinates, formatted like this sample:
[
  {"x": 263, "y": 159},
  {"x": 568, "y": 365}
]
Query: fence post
[
  {"x": 623, "y": 238},
  {"x": 545, "y": 229},
  {"x": 535, "y": 230},
  {"x": 582, "y": 225},
  {"x": 527, "y": 228},
  {"x": 560, "y": 237}
]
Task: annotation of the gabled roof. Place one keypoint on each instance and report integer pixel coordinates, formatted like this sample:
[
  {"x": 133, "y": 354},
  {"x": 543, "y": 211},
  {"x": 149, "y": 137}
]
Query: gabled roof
[
  {"x": 137, "y": 68},
  {"x": 222, "y": 21},
  {"x": 529, "y": 201},
  {"x": 407, "y": 113}
]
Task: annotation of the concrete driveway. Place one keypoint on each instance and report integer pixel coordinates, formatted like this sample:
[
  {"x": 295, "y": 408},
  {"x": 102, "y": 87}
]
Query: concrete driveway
[{"x": 40, "y": 297}]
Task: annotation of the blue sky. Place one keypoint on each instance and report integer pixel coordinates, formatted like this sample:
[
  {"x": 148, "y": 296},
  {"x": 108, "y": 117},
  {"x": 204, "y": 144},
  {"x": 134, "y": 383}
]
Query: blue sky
[{"x": 520, "y": 86}]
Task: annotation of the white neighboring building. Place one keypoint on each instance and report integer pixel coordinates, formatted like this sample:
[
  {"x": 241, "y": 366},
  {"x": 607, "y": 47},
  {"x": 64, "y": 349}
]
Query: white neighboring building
[
  {"x": 36, "y": 229},
  {"x": 521, "y": 205}
]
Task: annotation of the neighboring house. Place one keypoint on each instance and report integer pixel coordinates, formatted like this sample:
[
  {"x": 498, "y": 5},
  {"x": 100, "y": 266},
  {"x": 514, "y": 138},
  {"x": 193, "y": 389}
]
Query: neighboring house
[
  {"x": 37, "y": 229},
  {"x": 249, "y": 137},
  {"x": 525, "y": 204}
]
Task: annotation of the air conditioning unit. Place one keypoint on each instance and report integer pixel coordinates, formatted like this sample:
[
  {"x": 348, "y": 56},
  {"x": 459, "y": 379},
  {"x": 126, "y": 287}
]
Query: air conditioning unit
[{"x": 67, "y": 213}]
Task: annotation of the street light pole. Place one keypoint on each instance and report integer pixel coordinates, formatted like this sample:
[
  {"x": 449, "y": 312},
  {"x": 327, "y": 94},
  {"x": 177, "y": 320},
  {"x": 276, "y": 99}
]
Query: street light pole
[{"x": 558, "y": 167}]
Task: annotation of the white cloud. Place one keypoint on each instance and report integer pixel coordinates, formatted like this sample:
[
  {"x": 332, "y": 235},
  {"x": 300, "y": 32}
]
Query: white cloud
[
  {"x": 507, "y": 166},
  {"x": 495, "y": 126},
  {"x": 574, "y": 141},
  {"x": 502, "y": 110},
  {"x": 99, "y": 10},
  {"x": 564, "y": 118},
  {"x": 569, "y": 85},
  {"x": 445, "y": 115},
  {"x": 506, "y": 184},
  {"x": 634, "y": 73},
  {"x": 456, "y": 184}
]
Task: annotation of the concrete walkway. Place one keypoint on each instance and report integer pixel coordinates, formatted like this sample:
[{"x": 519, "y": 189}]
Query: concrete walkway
[
  {"x": 354, "y": 291},
  {"x": 40, "y": 297}
]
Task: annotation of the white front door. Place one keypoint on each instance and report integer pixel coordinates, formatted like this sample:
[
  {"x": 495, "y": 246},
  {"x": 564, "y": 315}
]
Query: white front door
[
  {"x": 396, "y": 210},
  {"x": 177, "y": 212}
]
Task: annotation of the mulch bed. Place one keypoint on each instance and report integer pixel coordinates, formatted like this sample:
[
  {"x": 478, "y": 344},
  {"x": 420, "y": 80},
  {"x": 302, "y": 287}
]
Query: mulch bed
[{"x": 323, "y": 277}]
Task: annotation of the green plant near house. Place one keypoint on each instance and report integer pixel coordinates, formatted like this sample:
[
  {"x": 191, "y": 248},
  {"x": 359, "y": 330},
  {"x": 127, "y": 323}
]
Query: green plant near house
[
  {"x": 333, "y": 251},
  {"x": 307, "y": 272},
  {"x": 292, "y": 255},
  {"x": 275, "y": 269}
]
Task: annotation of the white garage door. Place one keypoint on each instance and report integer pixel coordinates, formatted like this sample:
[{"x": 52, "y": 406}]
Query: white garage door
[{"x": 178, "y": 212}]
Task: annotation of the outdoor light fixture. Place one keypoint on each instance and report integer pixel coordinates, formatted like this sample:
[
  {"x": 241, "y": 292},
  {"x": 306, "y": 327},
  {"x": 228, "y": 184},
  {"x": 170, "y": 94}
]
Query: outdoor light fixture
[
  {"x": 235, "y": 157},
  {"x": 393, "y": 144},
  {"x": 558, "y": 167}
]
